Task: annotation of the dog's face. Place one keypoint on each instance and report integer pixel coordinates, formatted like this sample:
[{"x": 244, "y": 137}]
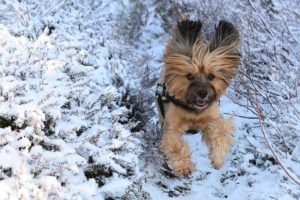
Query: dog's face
[{"x": 196, "y": 73}]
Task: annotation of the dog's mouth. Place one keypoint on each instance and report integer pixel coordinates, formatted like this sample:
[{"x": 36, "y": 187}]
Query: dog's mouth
[{"x": 201, "y": 103}]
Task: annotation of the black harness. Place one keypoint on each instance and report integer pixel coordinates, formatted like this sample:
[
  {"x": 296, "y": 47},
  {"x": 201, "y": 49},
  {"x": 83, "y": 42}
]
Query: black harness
[{"x": 163, "y": 96}]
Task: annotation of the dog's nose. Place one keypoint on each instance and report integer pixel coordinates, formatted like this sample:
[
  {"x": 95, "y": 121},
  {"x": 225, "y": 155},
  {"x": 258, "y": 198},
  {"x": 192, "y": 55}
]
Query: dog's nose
[{"x": 202, "y": 93}]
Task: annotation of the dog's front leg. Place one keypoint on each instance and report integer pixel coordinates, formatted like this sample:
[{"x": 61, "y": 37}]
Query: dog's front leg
[
  {"x": 176, "y": 149},
  {"x": 218, "y": 136}
]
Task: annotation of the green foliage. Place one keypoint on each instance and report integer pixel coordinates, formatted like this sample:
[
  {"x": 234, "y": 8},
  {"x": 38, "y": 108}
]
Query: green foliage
[
  {"x": 10, "y": 122},
  {"x": 5, "y": 122}
]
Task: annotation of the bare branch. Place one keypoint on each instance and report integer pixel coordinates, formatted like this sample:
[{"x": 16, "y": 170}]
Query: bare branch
[{"x": 287, "y": 171}]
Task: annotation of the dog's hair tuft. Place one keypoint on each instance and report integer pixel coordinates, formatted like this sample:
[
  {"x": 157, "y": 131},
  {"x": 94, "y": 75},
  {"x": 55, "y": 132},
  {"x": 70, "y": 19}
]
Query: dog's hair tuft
[
  {"x": 185, "y": 33},
  {"x": 189, "y": 30},
  {"x": 222, "y": 56},
  {"x": 225, "y": 35}
]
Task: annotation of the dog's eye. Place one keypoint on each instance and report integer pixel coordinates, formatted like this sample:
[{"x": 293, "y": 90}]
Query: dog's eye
[
  {"x": 190, "y": 77},
  {"x": 211, "y": 77}
]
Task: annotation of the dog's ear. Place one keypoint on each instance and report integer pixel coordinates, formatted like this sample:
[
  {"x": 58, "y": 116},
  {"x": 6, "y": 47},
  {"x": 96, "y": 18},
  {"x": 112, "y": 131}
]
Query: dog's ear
[
  {"x": 185, "y": 33},
  {"x": 226, "y": 36},
  {"x": 222, "y": 54}
]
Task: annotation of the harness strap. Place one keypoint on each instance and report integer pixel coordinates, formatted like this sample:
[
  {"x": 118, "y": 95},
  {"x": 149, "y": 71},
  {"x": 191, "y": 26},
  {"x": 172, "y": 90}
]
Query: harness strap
[
  {"x": 162, "y": 96},
  {"x": 161, "y": 106},
  {"x": 180, "y": 103}
]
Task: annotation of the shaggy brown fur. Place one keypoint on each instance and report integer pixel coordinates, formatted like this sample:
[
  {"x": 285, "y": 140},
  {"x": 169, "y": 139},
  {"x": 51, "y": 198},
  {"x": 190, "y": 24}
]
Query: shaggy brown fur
[{"x": 198, "y": 74}]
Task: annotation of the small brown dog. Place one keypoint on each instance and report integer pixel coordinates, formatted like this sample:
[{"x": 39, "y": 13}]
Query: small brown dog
[{"x": 194, "y": 77}]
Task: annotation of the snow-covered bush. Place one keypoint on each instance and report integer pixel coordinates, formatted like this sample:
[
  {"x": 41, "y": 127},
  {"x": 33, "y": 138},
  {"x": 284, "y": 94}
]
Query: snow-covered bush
[{"x": 65, "y": 129}]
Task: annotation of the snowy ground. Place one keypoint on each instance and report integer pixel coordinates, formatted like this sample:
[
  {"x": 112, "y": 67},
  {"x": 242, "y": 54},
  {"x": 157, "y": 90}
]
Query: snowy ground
[{"x": 77, "y": 118}]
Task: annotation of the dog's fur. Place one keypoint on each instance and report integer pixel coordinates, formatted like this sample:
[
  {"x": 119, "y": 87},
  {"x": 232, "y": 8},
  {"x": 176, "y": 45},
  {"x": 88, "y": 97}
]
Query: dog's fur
[{"x": 198, "y": 74}]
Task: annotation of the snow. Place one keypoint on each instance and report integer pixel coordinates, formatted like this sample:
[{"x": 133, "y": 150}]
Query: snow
[{"x": 77, "y": 81}]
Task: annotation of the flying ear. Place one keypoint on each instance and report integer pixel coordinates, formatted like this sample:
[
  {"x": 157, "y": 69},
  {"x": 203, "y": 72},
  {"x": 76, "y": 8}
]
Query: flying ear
[
  {"x": 222, "y": 56},
  {"x": 184, "y": 35},
  {"x": 226, "y": 37}
]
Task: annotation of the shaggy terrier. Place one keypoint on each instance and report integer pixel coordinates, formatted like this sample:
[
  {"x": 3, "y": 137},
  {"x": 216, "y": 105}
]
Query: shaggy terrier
[{"x": 194, "y": 77}]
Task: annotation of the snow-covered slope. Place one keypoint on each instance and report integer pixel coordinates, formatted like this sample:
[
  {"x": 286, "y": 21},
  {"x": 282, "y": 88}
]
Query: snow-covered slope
[
  {"x": 77, "y": 118},
  {"x": 61, "y": 91}
]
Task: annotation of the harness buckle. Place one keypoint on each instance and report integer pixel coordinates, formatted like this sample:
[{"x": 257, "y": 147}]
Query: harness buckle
[{"x": 161, "y": 92}]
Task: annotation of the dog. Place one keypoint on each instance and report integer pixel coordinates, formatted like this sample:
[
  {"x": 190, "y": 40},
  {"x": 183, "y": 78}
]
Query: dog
[{"x": 194, "y": 77}]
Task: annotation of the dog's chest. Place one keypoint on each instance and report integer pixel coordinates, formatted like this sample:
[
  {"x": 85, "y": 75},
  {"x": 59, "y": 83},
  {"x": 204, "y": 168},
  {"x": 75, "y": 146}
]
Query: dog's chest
[
  {"x": 200, "y": 121},
  {"x": 197, "y": 124}
]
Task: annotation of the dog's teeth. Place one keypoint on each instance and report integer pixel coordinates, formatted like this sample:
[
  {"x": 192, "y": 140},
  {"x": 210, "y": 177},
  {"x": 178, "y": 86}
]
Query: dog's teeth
[{"x": 201, "y": 103}]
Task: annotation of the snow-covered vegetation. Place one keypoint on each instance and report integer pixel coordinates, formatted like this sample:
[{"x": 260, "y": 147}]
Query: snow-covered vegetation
[{"x": 77, "y": 114}]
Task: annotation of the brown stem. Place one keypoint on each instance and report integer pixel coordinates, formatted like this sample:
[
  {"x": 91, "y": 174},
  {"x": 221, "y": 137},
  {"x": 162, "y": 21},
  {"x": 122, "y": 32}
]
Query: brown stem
[{"x": 288, "y": 172}]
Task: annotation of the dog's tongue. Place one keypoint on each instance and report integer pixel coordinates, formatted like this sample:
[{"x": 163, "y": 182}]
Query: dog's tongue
[{"x": 200, "y": 103}]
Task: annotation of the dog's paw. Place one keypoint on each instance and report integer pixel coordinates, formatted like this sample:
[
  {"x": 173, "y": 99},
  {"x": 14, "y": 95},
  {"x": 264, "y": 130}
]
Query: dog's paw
[
  {"x": 217, "y": 164},
  {"x": 183, "y": 167}
]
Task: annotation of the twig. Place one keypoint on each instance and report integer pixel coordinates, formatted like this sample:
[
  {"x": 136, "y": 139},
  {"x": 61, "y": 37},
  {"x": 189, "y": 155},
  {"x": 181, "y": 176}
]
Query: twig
[
  {"x": 241, "y": 116},
  {"x": 287, "y": 171}
]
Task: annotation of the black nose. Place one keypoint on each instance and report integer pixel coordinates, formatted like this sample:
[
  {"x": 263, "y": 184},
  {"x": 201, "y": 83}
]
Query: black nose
[{"x": 202, "y": 93}]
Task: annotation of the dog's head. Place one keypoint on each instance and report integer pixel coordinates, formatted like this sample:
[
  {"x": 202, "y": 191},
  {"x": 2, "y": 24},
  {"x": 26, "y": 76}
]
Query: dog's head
[{"x": 196, "y": 73}]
